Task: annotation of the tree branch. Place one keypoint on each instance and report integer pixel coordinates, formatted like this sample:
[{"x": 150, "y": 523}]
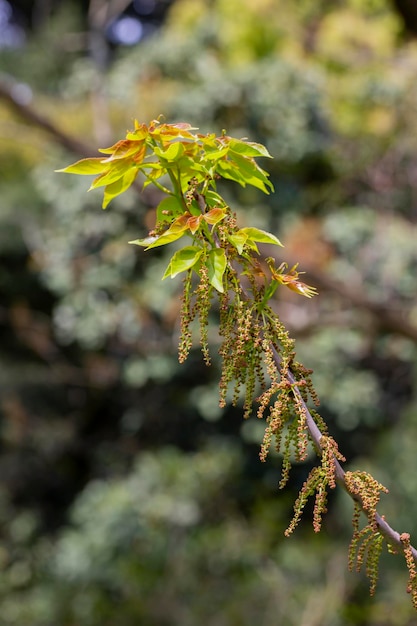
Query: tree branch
[
  {"x": 385, "y": 317},
  {"x": 11, "y": 92},
  {"x": 391, "y": 535}
]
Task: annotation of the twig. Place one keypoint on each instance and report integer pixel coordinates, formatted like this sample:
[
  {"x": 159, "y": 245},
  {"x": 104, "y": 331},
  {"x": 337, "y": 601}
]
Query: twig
[
  {"x": 10, "y": 92},
  {"x": 385, "y": 317},
  {"x": 391, "y": 535}
]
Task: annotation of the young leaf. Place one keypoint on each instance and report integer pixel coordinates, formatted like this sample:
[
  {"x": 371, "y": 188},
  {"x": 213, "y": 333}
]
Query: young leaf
[
  {"x": 261, "y": 236},
  {"x": 174, "y": 232},
  {"x": 194, "y": 222},
  {"x": 156, "y": 172},
  {"x": 230, "y": 170},
  {"x": 216, "y": 264},
  {"x": 140, "y": 132},
  {"x": 119, "y": 186},
  {"x": 113, "y": 172},
  {"x": 183, "y": 260},
  {"x": 123, "y": 149},
  {"x": 252, "y": 173},
  {"x": 249, "y": 148},
  {"x": 169, "y": 132},
  {"x": 238, "y": 240},
  {"x": 213, "y": 155},
  {"x": 167, "y": 209},
  {"x": 172, "y": 153},
  {"x": 145, "y": 242},
  {"x": 214, "y": 216},
  {"x": 213, "y": 199},
  {"x": 87, "y": 167}
]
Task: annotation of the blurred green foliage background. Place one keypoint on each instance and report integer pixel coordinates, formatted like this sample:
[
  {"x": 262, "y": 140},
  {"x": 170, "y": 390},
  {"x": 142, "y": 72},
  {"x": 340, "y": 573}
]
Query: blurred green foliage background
[{"x": 126, "y": 496}]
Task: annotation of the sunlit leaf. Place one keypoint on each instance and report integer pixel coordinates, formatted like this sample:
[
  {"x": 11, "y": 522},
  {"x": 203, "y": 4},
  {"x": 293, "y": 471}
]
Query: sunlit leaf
[
  {"x": 252, "y": 173},
  {"x": 94, "y": 165},
  {"x": 217, "y": 154},
  {"x": 194, "y": 223},
  {"x": 213, "y": 199},
  {"x": 168, "y": 132},
  {"x": 238, "y": 240},
  {"x": 174, "y": 232},
  {"x": 116, "y": 170},
  {"x": 166, "y": 238},
  {"x": 145, "y": 242},
  {"x": 261, "y": 236},
  {"x": 190, "y": 167},
  {"x": 216, "y": 264},
  {"x": 140, "y": 132},
  {"x": 168, "y": 208},
  {"x": 214, "y": 216},
  {"x": 119, "y": 186},
  {"x": 183, "y": 260},
  {"x": 248, "y": 148},
  {"x": 156, "y": 172},
  {"x": 172, "y": 153},
  {"x": 231, "y": 171},
  {"x": 122, "y": 149}
]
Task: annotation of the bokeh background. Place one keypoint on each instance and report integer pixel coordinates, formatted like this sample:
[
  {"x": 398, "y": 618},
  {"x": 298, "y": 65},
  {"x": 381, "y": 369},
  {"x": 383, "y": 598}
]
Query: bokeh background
[{"x": 126, "y": 496}]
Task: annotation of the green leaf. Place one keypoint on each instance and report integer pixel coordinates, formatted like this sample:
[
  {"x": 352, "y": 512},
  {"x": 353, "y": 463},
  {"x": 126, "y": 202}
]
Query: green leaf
[
  {"x": 193, "y": 166},
  {"x": 115, "y": 170},
  {"x": 182, "y": 260},
  {"x": 140, "y": 133},
  {"x": 238, "y": 240},
  {"x": 252, "y": 173},
  {"x": 156, "y": 172},
  {"x": 216, "y": 265},
  {"x": 168, "y": 208},
  {"x": 216, "y": 154},
  {"x": 231, "y": 171},
  {"x": 174, "y": 232},
  {"x": 255, "y": 234},
  {"x": 249, "y": 148},
  {"x": 172, "y": 153},
  {"x": 119, "y": 186},
  {"x": 214, "y": 199},
  {"x": 145, "y": 242},
  {"x": 86, "y": 167}
]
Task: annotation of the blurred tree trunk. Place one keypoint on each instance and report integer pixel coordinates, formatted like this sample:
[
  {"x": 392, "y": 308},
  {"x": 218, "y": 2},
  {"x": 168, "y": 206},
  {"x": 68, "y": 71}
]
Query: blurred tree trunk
[{"x": 408, "y": 11}]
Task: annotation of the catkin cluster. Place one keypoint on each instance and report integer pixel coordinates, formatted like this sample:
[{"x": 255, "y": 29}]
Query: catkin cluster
[
  {"x": 195, "y": 302},
  {"x": 367, "y": 543}
]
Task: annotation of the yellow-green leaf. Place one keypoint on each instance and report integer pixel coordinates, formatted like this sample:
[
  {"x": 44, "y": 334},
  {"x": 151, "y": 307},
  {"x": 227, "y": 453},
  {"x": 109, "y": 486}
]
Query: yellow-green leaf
[
  {"x": 238, "y": 240},
  {"x": 86, "y": 167},
  {"x": 182, "y": 260},
  {"x": 216, "y": 265},
  {"x": 115, "y": 170},
  {"x": 174, "y": 232},
  {"x": 230, "y": 170},
  {"x": 249, "y": 148},
  {"x": 261, "y": 236},
  {"x": 252, "y": 173},
  {"x": 168, "y": 208},
  {"x": 172, "y": 153},
  {"x": 119, "y": 186},
  {"x": 214, "y": 199},
  {"x": 145, "y": 242}
]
